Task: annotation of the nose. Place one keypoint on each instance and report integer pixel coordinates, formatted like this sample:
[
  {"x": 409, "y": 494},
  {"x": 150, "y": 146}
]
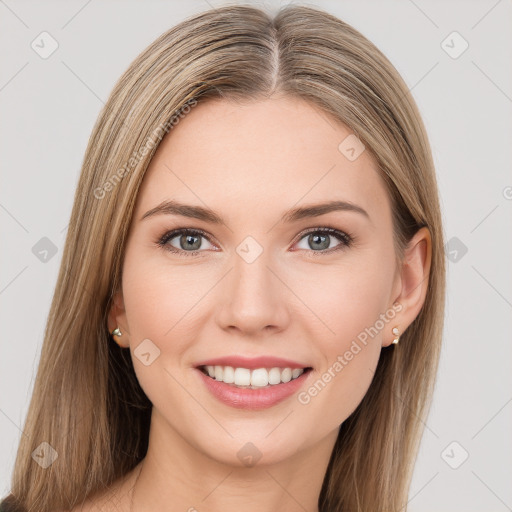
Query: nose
[{"x": 253, "y": 298}]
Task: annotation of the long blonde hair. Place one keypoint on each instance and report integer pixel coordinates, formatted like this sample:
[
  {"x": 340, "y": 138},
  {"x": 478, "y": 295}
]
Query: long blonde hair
[{"x": 86, "y": 390}]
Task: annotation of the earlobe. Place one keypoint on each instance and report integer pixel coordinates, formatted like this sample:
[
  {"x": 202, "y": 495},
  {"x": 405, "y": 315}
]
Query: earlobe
[{"x": 414, "y": 276}]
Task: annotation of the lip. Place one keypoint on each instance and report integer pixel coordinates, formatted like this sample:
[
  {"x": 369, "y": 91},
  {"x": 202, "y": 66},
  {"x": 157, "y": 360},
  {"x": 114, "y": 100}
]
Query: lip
[
  {"x": 252, "y": 399},
  {"x": 252, "y": 363}
]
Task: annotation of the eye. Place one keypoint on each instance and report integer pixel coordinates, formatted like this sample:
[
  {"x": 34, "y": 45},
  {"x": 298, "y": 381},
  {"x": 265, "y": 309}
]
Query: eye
[
  {"x": 320, "y": 239},
  {"x": 187, "y": 241}
]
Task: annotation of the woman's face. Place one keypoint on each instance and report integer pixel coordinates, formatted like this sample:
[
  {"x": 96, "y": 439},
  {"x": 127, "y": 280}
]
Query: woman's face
[{"x": 260, "y": 282}]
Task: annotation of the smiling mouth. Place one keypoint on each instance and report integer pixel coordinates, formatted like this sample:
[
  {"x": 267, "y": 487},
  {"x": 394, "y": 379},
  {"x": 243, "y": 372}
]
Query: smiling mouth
[{"x": 257, "y": 378}]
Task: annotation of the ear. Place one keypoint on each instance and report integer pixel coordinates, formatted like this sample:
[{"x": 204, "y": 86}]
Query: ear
[
  {"x": 117, "y": 318},
  {"x": 413, "y": 281}
]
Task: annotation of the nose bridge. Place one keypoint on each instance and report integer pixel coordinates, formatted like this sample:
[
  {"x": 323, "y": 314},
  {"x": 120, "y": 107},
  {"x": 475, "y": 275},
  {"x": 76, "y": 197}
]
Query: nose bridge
[
  {"x": 252, "y": 295},
  {"x": 251, "y": 277}
]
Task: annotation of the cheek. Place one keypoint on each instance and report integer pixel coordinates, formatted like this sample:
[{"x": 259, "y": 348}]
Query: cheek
[
  {"x": 164, "y": 304},
  {"x": 160, "y": 300},
  {"x": 346, "y": 300},
  {"x": 355, "y": 310}
]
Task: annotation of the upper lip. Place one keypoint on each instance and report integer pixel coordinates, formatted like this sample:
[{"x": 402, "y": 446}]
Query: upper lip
[{"x": 252, "y": 362}]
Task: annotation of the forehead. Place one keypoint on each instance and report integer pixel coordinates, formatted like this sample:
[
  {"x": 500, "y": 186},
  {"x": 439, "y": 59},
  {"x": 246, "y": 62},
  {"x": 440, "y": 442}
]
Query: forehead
[{"x": 261, "y": 156}]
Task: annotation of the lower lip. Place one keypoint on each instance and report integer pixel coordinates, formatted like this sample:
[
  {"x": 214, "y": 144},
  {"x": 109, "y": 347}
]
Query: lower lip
[{"x": 246, "y": 398}]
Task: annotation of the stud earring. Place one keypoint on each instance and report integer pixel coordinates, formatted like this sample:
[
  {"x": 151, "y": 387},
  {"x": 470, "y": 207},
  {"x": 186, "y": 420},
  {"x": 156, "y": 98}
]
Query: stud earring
[
  {"x": 116, "y": 332},
  {"x": 396, "y": 332}
]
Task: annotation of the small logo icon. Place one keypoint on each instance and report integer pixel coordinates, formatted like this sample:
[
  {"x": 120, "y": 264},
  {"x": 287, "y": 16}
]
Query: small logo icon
[
  {"x": 454, "y": 455},
  {"x": 351, "y": 147},
  {"x": 44, "y": 249},
  {"x": 44, "y": 45},
  {"x": 249, "y": 249},
  {"x": 455, "y": 249},
  {"x": 44, "y": 455},
  {"x": 249, "y": 455},
  {"x": 146, "y": 352},
  {"x": 454, "y": 45}
]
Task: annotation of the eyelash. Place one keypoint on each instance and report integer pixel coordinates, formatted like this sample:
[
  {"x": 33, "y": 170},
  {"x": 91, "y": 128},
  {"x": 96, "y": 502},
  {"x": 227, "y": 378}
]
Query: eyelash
[{"x": 345, "y": 239}]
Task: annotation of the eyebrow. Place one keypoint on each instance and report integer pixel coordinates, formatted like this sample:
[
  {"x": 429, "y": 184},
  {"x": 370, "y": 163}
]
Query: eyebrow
[{"x": 172, "y": 207}]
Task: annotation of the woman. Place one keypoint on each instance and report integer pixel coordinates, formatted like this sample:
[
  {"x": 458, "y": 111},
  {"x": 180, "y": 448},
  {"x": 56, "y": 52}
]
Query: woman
[{"x": 257, "y": 227}]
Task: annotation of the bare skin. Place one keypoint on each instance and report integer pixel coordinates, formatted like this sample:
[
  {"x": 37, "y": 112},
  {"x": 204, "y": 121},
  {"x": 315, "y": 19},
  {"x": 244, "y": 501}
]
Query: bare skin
[{"x": 250, "y": 163}]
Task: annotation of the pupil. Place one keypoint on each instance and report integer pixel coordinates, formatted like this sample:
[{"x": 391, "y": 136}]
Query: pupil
[
  {"x": 190, "y": 241},
  {"x": 316, "y": 239}
]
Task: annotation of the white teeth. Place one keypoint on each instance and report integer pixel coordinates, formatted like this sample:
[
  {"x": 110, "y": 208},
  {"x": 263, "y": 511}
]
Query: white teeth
[
  {"x": 296, "y": 372},
  {"x": 274, "y": 376},
  {"x": 286, "y": 375},
  {"x": 242, "y": 377},
  {"x": 257, "y": 378},
  {"x": 229, "y": 375}
]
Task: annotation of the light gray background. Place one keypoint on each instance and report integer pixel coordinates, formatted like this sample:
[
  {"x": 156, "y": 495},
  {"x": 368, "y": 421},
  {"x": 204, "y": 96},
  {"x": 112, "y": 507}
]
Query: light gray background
[{"x": 48, "y": 107}]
